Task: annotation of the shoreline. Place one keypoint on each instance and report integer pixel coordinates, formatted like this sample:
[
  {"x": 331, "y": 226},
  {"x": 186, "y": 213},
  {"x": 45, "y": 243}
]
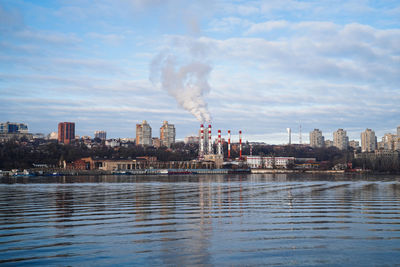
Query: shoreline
[{"x": 68, "y": 172}]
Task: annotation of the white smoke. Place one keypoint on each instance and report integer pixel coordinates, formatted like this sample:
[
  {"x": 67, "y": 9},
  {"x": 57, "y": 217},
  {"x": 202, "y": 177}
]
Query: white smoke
[{"x": 187, "y": 83}]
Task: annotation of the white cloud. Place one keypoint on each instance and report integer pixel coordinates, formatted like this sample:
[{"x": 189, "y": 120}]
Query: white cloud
[
  {"x": 267, "y": 26},
  {"x": 48, "y": 37},
  {"x": 113, "y": 39},
  {"x": 275, "y": 64}
]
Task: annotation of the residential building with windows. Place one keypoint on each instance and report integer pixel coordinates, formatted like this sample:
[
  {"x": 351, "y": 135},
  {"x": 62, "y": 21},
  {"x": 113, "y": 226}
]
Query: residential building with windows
[
  {"x": 316, "y": 138},
  {"x": 328, "y": 143},
  {"x": 354, "y": 144},
  {"x": 167, "y": 134},
  {"x": 389, "y": 141},
  {"x": 66, "y": 132},
  {"x": 143, "y": 134},
  {"x": 100, "y": 134},
  {"x": 192, "y": 139},
  {"x": 368, "y": 141},
  {"x": 13, "y": 127},
  {"x": 340, "y": 139}
]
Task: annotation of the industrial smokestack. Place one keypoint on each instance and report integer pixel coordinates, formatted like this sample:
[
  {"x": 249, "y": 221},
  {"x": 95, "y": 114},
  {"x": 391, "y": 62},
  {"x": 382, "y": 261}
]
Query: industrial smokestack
[
  {"x": 229, "y": 144},
  {"x": 201, "y": 141},
  {"x": 240, "y": 144},
  {"x": 289, "y": 131},
  {"x": 219, "y": 143},
  {"x": 210, "y": 150}
]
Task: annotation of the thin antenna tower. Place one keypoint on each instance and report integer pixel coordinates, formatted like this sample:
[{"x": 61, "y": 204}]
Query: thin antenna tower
[{"x": 300, "y": 138}]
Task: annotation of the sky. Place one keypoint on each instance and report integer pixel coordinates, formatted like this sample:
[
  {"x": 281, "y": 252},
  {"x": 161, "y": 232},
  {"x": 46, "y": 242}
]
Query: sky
[{"x": 255, "y": 66}]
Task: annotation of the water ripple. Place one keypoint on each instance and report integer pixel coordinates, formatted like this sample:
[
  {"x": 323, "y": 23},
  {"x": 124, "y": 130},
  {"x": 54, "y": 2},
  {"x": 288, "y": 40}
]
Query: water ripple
[{"x": 209, "y": 221}]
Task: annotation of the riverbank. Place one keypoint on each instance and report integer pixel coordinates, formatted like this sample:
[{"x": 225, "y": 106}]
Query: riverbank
[
  {"x": 69, "y": 172},
  {"x": 262, "y": 171}
]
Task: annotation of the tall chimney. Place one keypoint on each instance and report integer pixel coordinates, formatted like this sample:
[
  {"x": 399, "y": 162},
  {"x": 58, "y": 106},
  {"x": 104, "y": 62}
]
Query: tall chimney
[
  {"x": 290, "y": 135},
  {"x": 201, "y": 141},
  {"x": 219, "y": 143},
  {"x": 229, "y": 144},
  {"x": 210, "y": 150},
  {"x": 240, "y": 144}
]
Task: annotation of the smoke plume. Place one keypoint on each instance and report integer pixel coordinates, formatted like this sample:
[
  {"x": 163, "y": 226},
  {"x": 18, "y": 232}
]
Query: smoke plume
[{"x": 187, "y": 82}]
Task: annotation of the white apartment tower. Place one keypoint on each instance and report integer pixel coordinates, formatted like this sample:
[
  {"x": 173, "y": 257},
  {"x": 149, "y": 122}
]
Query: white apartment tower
[
  {"x": 368, "y": 141},
  {"x": 316, "y": 138},
  {"x": 143, "y": 134},
  {"x": 167, "y": 134},
  {"x": 340, "y": 139}
]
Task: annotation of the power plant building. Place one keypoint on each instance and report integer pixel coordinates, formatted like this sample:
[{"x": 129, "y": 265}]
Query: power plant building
[
  {"x": 340, "y": 139},
  {"x": 66, "y": 132},
  {"x": 143, "y": 134},
  {"x": 167, "y": 134},
  {"x": 368, "y": 141},
  {"x": 316, "y": 138}
]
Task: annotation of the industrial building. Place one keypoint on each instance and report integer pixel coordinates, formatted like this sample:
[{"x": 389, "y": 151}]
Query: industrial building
[
  {"x": 260, "y": 162},
  {"x": 206, "y": 146}
]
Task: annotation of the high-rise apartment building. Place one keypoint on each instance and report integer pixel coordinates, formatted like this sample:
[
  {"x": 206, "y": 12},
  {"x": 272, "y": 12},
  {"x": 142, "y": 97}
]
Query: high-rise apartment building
[
  {"x": 13, "y": 127},
  {"x": 100, "y": 134},
  {"x": 143, "y": 134},
  {"x": 156, "y": 142},
  {"x": 316, "y": 138},
  {"x": 167, "y": 134},
  {"x": 354, "y": 144},
  {"x": 368, "y": 141},
  {"x": 66, "y": 132},
  {"x": 328, "y": 143},
  {"x": 340, "y": 139},
  {"x": 389, "y": 141},
  {"x": 398, "y": 131}
]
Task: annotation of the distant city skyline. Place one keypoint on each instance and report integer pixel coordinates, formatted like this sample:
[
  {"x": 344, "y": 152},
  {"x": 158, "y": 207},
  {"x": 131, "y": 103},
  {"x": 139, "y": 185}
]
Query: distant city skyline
[
  {"x": 256, "y": 66},
  {"x": 316, "y": 138}
]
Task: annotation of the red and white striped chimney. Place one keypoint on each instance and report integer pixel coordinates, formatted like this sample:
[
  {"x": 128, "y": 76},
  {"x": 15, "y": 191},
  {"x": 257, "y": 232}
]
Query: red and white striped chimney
[
  {"x": 229, "y": 144},
  {"x": 219, "y": 143},
  {"x": 240, "y": 144},
  {"x": 209, "y": 140},
  {"x": 201, "y": 140}
]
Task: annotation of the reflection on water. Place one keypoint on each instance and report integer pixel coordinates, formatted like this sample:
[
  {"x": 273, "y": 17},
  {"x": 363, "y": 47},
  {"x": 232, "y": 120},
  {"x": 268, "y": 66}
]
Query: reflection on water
[{"x": 200, "y": 220}]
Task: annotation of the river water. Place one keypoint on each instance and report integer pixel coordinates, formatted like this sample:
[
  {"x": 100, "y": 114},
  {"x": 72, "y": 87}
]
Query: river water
[{"x": 218, "y": 220}]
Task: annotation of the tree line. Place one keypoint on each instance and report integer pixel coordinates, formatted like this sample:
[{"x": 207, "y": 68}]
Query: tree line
[{"x": 19, "y": 154}]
